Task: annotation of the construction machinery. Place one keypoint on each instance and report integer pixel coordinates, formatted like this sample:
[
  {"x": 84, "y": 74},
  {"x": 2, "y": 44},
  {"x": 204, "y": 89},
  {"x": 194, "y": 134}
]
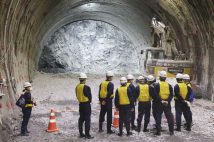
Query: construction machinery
[{"x": 155, "y": 61}]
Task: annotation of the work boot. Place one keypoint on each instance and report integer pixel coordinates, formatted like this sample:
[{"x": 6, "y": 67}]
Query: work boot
[
  {"x": 178, "y": 129},
  {"x": 145, "y": 129},
  {"x": 129, "y": 133},
  {"x": 134, "y": 127},
  {"x": 120, "y": 134},
  {"x": 101, "y": 127},
  {"x": 89, "y": 137},
  {"x": 24, "y": 134},
  {"x": 188, "y": 128},
  {"x": 82, "y": 135},
  {"x": 110, "y": 132},
  {"x": 171, "y": 133},
  {"x": 138, "y": 129}
]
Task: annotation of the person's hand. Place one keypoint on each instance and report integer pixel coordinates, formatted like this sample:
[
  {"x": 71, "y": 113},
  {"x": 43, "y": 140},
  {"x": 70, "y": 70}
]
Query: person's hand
[
  {"x": 103, "y": 102},
  {"x": 164, "y": 102},
  {"x": 117, "y": 109},
  {"x": 34, "y": 103},
  {"x": 132, "y": 109},
  {"x": 188, "y": 103}
]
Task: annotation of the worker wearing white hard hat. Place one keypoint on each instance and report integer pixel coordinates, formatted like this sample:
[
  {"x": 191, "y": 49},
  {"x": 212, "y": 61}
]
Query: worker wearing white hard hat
[
  {"x": 26, "y": 107},
  {"x": 84, "y": 97},
  {"x": 130, "y": 79},
  {"x": 165, "y": 92},
  {"x": 182, "y": 103},
  {"x": 144, "y": 93},
  {"x": 106, "y": 95},
  {"x": 124, "y": 102},
  {"x": 186, "y": 79}
]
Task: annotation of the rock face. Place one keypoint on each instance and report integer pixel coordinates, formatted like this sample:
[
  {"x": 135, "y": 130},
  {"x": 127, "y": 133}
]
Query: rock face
[{"x": 89, "y": 46}]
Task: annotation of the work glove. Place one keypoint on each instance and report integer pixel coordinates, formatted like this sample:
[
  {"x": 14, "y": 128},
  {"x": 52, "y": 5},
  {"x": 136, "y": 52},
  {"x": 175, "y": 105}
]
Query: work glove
[
  {"x": 103, "y": 102},
  {"x": 164, "y": 102},
  {"x": 188, "y": 103}
]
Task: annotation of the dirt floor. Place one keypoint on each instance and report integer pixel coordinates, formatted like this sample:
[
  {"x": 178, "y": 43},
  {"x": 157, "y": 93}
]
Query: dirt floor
[{"x": 57, "y": 92}]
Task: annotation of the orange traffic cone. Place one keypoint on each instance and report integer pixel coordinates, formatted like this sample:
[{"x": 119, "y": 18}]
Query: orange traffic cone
[
  {"x": 52, "y": 123},
  {"x": 116, "y": 119}
]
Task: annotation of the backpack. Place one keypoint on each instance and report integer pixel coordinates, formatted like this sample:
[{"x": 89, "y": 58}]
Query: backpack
[{"x": 21, "y": 101}]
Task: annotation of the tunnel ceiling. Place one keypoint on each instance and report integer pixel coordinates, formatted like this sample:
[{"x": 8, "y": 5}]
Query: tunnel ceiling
[{"x": 25, "y": 24}]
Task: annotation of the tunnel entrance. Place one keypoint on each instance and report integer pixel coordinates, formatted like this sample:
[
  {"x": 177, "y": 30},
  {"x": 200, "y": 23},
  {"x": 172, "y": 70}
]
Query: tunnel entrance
[{"x": 89, "y": 46}]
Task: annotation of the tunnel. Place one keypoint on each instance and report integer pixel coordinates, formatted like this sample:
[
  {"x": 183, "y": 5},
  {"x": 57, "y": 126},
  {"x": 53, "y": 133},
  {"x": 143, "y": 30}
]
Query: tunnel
[{"x": 28, "y": 27}]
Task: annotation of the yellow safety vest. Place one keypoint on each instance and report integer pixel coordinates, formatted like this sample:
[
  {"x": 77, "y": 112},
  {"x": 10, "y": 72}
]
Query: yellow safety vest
[
  {"x": 103, "y": 90},
  {"x": 80, "y": 94},
  {"x": 183, "y": 90},
  {"x": 28, "y": 105},
  {"x": 123, "y": 95},
  {"x": 144, "y": 93},
  {"x": 164, "y": 90}
]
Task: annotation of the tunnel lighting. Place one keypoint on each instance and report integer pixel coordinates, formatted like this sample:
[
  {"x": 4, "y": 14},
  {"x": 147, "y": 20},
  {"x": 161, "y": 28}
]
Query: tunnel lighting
[{"x": 89, "y": 6}]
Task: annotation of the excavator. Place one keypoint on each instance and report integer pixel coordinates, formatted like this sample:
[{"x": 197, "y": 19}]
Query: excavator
[{"x": 163, "y": 55}]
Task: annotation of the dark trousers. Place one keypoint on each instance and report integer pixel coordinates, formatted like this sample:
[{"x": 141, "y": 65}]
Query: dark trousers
[
  {"x": 169, "y": 116},
  {"x": 133, "y": 117},
  {"x": 125, "y": 118},
  {"x": 181, "y": 107},
  {"x": 107, "y": 108},
  {"x": 154, "y": 111},
  {"x": 85, "y": 116},
  {"x": 26, "y": 117},
  {"x": 144, "y": 109}
]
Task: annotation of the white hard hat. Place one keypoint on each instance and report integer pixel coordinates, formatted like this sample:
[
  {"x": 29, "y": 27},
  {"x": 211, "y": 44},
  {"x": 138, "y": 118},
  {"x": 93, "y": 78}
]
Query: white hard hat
[
  {"x": 150, "y": 78},
  {"x": 27, "y": 84},
  {"x": 186, "y": 77},
  {"x": 179, "y": 76},
  {"x": 163, "y": 74},
  {"x": 82, "y": 75},
  {"x": 140, "y": 78},
  {"x": 130, "y": 76},
  {"x": 123, "y": 80},
  {"x": 109, "y": 73}
]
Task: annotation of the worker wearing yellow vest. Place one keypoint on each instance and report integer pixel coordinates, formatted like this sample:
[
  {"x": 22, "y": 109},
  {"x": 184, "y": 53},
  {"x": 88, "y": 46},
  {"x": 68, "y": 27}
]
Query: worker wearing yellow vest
[
  {"x": 186, "y": 79},
  {"x": 84, "y": 97},
  {"x": 124, "y": 102},
  {"x": 27, "y": 109},
  {"x": 143, "y": 94},
  {"x": 182, "y": 103},
  {"x": 106, "y": 94},
  {"x": 130, "y": 79},
  {"x": 165, "y": 92}
]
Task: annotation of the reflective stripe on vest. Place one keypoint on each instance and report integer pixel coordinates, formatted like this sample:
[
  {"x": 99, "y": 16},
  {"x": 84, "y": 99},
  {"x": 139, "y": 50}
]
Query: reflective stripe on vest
[
  {"x": 183, "y": 90},
  {"x": 144, "y": 93},
  {"x": 80, "y": 94},
  {"x": 123, "y": 95},
  {"x": 29, "y": 105},
  {"x": 104, "y": 90},
  {"x": 164, "y": 90}
]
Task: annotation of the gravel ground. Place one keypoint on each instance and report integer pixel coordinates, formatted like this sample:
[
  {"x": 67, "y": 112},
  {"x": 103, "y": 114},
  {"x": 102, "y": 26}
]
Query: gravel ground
[{"x": 57, "y": 92}]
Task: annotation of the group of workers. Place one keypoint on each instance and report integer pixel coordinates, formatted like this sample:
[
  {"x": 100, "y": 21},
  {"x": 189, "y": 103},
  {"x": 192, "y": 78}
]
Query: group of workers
[{"x": 148, "y": 93}]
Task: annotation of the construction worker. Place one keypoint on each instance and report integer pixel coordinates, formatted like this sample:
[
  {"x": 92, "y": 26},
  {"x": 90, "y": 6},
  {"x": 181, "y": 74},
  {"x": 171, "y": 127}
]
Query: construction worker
[
  {"x": 186, "y": 79},
  {"x": 27, "y": 109},
  {"x": 83, "y": 94},
  {"x": 130, "y": 84},
  {"x": 165, "y": 92},
  {"x": 106, "y": 94},
  {"x": 143, "y": 95},
  {"x": 182, "y": 103},
  {"x": 124, "y": 102}
]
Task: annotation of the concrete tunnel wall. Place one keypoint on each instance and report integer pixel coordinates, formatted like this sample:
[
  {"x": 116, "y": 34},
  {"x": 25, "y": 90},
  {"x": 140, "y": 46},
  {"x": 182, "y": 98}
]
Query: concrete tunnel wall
[{"x": 26, "y": 23}]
